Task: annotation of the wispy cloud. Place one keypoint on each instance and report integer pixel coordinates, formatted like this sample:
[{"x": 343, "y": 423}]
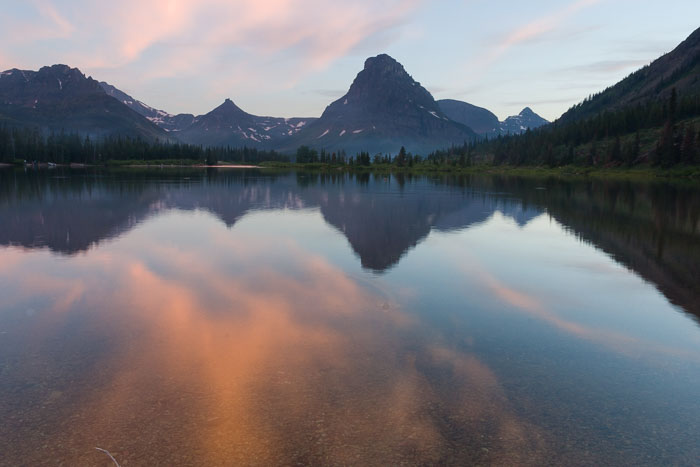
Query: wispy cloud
[
  {"x": 609, "y": 66},
  {"x": 531, "y": 32},
  {"x": 116, "y": 34},
  {"x": 62, "y": 27},
  {"x": 539, "y": 27}
]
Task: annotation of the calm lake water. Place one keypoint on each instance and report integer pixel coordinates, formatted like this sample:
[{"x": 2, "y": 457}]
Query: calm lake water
[{"x": 191, "y": 317}]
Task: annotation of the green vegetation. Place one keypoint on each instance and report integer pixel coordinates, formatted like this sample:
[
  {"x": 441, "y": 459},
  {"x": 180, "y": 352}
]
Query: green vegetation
[{"x": 30, "y": 144}]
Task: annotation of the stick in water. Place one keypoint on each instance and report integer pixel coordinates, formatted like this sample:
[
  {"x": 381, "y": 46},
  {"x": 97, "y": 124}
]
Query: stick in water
[{"x": 110, "y": 456}]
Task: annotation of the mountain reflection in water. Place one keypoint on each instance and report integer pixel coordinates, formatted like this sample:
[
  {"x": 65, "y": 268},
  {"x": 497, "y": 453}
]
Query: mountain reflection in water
[
  {"x": 135, "y": 320},
  {"x": 653, "y": 228}
]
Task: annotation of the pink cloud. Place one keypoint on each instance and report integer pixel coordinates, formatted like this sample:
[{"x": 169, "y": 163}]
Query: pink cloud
[
  {"x": 62, "y": 27},
  {"x": 117, "y": 34},
  {"x": 531, "y": 31}
]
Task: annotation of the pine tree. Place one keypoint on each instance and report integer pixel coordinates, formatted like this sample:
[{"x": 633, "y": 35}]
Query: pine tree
[
  {"x": 673, "y": 105},
  {"x": 592, "y": 154},
  {"x": 688, "y": 148},
  {"x": 401, "y": 157},
  {"x": 615, "y": 152}
]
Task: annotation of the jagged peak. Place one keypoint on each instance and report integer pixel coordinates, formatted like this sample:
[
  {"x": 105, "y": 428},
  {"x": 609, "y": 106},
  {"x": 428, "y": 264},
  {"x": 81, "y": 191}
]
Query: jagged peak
[
  {"x": 228, "y": 104},
  {"x": 62, "y": 69},
  {"x": 384, "y": 65},
  {"x": 228, "y": 107},
  {"x": 382, "y": 60}
]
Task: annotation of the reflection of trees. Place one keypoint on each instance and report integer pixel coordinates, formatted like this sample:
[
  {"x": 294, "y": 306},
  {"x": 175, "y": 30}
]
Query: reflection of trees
[{"x": 652, "y": 228}]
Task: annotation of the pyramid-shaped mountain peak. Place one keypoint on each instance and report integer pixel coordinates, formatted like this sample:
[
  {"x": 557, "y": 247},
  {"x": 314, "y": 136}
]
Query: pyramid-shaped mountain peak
[
  {"x": 385, "y": 62},
  {"x": 384, "y": 109},
  {"x": 229, "y": 107}
]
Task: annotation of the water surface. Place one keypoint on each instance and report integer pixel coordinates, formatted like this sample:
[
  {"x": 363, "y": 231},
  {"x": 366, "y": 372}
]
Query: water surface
[{"x": 190, "y": 317}]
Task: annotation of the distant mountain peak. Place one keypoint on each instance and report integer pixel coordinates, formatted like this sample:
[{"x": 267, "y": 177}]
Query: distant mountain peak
[
  {"x": 384, "y": 62},
  {"x": 228, "y": 107},
  {"x": 384, "y": 109},
  {"x": 526, "y": 119},
  {"x": 485, "y": 123},
  {"x": 60, "y": 67},
  {"x": 384, "y": 87},
  {"x": 61, "y": 97}
]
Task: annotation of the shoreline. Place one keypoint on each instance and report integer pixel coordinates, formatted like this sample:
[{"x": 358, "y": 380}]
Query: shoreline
[
  {"x": 194, "y": 166},
  {"x": 685, "y": 173}
]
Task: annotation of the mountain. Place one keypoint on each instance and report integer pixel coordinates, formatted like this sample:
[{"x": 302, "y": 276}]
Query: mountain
[
  {"x": 383, "y": 110},
  {"x": 485, "y": 123},
  {"x": 517, "y": 124},
  {"x": 229, "y": 125},
  {"x": 678, "y": 69},
  {"x": 165, "y": 120},
  {"x": 59, "y": 98},
  {"x": 482, "y": 121}
]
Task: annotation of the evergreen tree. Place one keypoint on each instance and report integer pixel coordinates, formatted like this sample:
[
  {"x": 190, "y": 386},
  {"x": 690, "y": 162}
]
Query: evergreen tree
[
  {"x": 688, "y": 147},
  {"x": 615, "y": 152},
  {"x": 401, "y": 157}
]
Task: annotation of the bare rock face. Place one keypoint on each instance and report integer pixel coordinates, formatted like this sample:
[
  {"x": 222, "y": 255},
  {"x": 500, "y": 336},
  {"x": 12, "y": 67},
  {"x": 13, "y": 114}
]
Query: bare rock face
[
  {"x": 384, "y": 109},
  {"x": 485, "y": 123},
  {"x": 163, "y": 119},
  {"x": 59, "y": 98},
  {"x": 229, "y": 125}
]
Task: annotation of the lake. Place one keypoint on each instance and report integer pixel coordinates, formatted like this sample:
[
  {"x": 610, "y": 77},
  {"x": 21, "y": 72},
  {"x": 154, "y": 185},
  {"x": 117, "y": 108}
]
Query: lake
[{"x": 255, "y": 317}]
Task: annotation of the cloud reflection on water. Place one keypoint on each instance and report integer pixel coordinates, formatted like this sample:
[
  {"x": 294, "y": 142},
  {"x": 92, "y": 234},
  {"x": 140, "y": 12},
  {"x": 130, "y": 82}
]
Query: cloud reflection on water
[{"x": 202, "y": 362}]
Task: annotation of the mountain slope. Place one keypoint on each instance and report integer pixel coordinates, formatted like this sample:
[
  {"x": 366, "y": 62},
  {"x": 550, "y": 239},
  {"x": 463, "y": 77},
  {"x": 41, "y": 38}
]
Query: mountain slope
[
  {"x": 482, "y": 121},
  {"x": 229, "y": 125},
  {"x": 485, "y": 123},
  {"x": 679, "y": 68},
  {"x": 383, "y": 110},
  {"x": 59, "y": 98},
  {"x": 165, "y": 120}
]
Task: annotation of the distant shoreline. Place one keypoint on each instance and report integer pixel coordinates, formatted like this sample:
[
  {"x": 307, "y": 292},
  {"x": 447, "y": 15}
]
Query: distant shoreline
[
  {"x": 193, "y": 166},
  {"x": 688, "y": 173},
  {"x": 73, "y": 165}
]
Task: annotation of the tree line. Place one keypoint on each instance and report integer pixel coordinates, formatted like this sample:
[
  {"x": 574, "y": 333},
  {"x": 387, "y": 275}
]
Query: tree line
[{"x": 31, "y": 144}]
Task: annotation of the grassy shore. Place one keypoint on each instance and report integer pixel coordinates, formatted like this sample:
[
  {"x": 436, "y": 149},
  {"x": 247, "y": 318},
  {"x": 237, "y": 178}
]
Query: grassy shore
[
  {"x": 641, "y": 172},
  {"x": 177, "y": 163},
  {"x": 638, "y": 172}
]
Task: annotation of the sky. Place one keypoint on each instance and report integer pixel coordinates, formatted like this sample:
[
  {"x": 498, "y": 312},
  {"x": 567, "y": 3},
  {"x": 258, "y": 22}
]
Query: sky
[{"x": 291, "y": 58}]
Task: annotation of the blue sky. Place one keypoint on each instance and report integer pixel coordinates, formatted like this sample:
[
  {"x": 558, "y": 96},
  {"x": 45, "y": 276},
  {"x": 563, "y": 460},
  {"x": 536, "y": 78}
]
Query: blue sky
[{"x": 293, "y": 57}]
